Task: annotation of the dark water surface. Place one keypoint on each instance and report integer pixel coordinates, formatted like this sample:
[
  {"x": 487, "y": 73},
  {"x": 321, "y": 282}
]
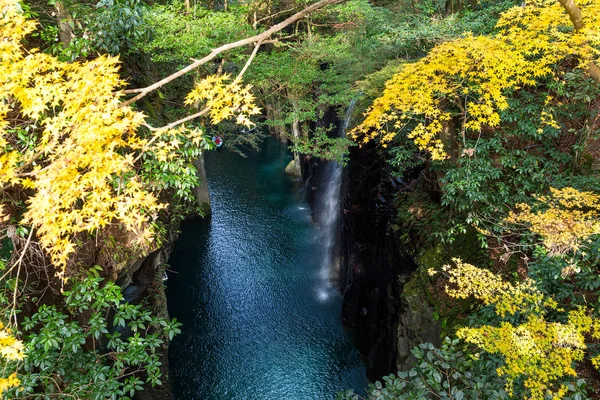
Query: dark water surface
[{"x": 259, "y": 321}]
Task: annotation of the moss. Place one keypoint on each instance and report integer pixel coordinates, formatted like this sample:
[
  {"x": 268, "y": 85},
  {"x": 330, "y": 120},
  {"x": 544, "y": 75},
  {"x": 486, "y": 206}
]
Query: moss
[
  {"x": 466, "y": 246},
  {"x": 451, "y": 313},
  {"x": 433, "y": 257}
]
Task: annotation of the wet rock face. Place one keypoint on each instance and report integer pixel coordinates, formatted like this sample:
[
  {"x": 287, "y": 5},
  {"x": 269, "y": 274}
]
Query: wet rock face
[
  {"x": 374, "y": 267},
  {"x": 372, "y": 261},
  {"x": 143, "y": 282},
  {"x": 416, "y": 323}
]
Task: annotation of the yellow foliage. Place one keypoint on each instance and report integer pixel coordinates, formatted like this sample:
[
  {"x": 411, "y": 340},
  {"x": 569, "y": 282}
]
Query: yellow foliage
[
  {"x": 538, "y": 352},
  {"x": 568, "y": 219},
  {"x": 85, "y": 138},
  {"x": 469, "y": 281},
  {"x": 81, "y": 171},
  {"x": 469, "y": 77},
  {"x": 11, "y": 349},
  {"x": 225, "y": 100}
]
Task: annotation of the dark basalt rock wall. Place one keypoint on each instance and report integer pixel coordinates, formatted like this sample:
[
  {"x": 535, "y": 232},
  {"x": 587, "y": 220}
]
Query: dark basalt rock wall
[
  {"x": 372, "y": 260},
  {"x": 388, "y": 315}
]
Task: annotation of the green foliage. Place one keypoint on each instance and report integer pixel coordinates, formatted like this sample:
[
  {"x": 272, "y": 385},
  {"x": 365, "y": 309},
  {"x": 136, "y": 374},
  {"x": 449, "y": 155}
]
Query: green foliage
[
  {"x": 116, "y": 25},
  {"x": 107, "y": 27},
  {"x": 444, "y": 373},
  {"x": 320, "y": 145},
  {"x": 176, "y": 37},
  {"x": 176, "y": 174},
  {"x": 96, "y": 346},
  {"x": 533, "y": 145}
]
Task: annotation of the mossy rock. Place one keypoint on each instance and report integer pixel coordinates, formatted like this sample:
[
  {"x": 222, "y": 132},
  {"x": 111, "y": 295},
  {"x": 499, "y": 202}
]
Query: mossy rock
[
  {"x": 417, "y": 322},
  {"x": 433, "y": 257},
  {"x": 466, "y": 246},
  {"x": 293, "y": 168}
]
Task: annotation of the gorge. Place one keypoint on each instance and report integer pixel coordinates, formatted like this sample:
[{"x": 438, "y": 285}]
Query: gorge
[
  {"x": 260, "y": 318},
  {"x": 439, "y": 235}
]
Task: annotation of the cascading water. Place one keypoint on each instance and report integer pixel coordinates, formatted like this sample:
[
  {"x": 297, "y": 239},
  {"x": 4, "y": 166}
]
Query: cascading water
[{"x": 329, "y": 221}]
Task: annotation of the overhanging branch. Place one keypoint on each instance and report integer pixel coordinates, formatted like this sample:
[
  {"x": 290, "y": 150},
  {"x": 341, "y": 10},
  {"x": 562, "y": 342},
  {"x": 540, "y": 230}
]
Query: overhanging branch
[{"x": 142, "y": 92}]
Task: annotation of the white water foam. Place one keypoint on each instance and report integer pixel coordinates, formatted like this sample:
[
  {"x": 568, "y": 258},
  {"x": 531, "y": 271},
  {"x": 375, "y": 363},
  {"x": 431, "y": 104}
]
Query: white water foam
[{"x": 330, "y": 206}]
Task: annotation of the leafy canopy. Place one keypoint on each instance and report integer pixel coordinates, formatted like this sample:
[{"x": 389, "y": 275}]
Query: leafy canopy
[
  {"x": 471, "y": 77},
  {"x": 78, "y": 159},
  {"x": 538, "y": 353},
  {"x": 108, "y": 354}
]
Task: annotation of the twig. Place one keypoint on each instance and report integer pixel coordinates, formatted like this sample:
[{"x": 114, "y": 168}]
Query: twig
[
  {"x": 249, "y": 61},
  {"x": 13, "y": 311},
  {"x": 167, "y": 127}
]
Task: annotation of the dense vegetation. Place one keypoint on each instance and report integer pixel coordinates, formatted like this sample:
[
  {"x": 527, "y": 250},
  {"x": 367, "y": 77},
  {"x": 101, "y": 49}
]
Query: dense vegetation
[{"x": 494, "y": 105}]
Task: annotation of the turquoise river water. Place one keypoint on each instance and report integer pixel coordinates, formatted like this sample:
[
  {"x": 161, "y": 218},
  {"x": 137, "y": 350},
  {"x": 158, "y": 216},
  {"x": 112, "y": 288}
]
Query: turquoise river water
[{"x": 259, "y": 320}]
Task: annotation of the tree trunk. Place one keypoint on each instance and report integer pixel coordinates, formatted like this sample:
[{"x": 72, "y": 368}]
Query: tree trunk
[
  {"x": 294, "y": 167},
  {"x": 449, "y": 138},
  {"x": 65, "y": 32},
  {"x": 296, "y": 131},
  {"x": 574, "y": 13},
  {"x": 453, "y": 6}
]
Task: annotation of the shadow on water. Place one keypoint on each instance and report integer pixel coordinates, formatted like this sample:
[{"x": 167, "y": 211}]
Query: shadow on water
[{"x": 247, "y": 292}]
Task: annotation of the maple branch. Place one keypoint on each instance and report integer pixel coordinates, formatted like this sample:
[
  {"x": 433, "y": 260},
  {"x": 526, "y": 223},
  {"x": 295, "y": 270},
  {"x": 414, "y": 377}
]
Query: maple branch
[
  {"x": 199, "y": 113},
  {"x": 142, "y": 92},
  {"x": 574, "y": 13},
  {"x": 167, "y": 127},
  {"x": 577, "y": 21},
  {"x": 185, "y": 119}
]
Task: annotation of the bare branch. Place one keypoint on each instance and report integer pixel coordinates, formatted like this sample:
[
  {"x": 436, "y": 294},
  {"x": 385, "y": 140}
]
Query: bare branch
[
  {"x": 167, "y": 127},
  {"x": 185, "y": 119},
  {"x": 19, "y": 263},
  {"x": 257, "y": 21},
  {"x": 215, "y": 52},
  {"x": 249, "y": 61}
]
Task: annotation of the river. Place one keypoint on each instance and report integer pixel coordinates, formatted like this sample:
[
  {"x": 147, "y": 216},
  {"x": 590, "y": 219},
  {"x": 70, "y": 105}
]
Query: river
[{"x": 258, "y": 320}]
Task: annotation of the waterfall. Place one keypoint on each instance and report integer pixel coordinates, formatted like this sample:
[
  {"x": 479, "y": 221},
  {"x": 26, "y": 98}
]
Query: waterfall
[{"x": 329, "y": 202}]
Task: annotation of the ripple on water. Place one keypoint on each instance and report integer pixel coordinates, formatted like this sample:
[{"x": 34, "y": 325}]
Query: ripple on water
[{"x": 259, "y": 320}]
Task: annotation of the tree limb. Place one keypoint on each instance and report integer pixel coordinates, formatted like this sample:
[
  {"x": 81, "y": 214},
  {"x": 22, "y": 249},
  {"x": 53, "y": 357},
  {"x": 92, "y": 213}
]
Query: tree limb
[
  {"x": 215, "y": 52},
  {"x": 167, "y": 127},
  {"x": 594, "y": 71},
  {"x": 577, "y": 21},
  {"x": 574, "y": 13},
  {"x": 256, "y": 47},
  {"x": 257, "y": 21}
]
